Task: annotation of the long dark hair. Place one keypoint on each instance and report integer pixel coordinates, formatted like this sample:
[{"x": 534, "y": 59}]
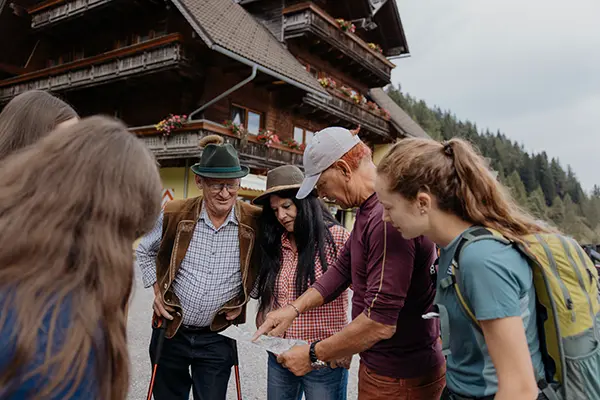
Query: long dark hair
[
  {"x": 311, "y": 231},
  {"x": 30, "y": 116},
  {"x": 71, "y": 206}
]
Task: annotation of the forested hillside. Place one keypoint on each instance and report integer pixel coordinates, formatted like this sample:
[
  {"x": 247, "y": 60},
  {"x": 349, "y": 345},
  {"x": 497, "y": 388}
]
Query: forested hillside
[{"x": 538, "y": 181}]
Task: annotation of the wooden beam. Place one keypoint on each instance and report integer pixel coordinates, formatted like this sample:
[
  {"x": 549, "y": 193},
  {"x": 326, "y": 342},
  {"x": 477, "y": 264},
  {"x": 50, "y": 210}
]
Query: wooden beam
[
  {"x": 125, "y": 51},
  {"x": 44, "y": 5},
  {"x": 12, "y": 69}
]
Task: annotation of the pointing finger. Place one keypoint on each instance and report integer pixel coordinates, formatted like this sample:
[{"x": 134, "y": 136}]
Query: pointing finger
[{"x": 262, "y": 330}]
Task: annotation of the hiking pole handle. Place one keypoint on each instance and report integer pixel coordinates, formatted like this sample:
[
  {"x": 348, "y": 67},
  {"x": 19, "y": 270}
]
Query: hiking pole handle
[
  {"x": 161, "y": 325},
  {"x": 236, "y": 360}
]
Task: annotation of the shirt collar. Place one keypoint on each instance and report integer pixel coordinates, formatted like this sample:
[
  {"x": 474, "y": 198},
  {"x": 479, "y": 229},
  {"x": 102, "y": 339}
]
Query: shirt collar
[
  {"x": 369, "y": 203},
  {"x": 231, "y": 218},
  {"x": 285, "y": 241}
]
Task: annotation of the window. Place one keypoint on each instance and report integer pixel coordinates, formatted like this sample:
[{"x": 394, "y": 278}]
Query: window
[
  {"x": 249, "y": 119},
  {"x": 254, "y": 122},
  {"x": 302, "y": 135}
]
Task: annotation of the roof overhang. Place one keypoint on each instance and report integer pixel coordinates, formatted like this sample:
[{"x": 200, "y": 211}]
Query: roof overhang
[
  {"x": 399, "y": 118},
  {"x": 308, "y": 85}
]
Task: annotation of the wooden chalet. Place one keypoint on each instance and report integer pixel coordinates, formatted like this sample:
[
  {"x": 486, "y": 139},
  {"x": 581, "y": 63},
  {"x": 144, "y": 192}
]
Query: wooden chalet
[{"x": 286, "y": 67}]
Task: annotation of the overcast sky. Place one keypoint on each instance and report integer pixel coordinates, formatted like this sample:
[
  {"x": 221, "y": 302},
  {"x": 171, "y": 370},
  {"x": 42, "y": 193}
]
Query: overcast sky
[{"x": 530, "y": 68}]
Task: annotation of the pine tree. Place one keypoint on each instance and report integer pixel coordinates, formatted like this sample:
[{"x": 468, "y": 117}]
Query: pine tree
[
  {"x": 517, "y": 188},
  {"x": 544, "y": 177},
  {"x": 537, "y": 204},
  {"x": 573, "y": 223},
  {"x": 527, "y": 173},
  {"x": 559, "y": 176},
  {"x": 557, "y": 211},
  {"x": 574, "y": 187},
  {"x": 591, "y": 210}
]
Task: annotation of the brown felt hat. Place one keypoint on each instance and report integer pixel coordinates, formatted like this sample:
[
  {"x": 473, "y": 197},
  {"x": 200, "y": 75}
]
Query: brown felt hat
[{"x": 280, "y": 179}]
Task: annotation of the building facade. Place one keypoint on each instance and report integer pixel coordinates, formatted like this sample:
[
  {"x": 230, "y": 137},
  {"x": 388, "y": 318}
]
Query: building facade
[{"x": 264, "y": 74}]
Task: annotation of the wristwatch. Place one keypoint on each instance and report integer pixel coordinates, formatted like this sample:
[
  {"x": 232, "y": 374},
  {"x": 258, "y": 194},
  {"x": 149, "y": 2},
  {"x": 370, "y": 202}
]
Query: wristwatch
[{"x": 315, "y": 363}]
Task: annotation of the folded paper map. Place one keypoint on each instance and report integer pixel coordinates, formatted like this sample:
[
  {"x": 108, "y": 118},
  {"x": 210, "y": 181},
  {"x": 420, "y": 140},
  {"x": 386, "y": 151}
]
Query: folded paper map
[{"x": 273, "y": 344}]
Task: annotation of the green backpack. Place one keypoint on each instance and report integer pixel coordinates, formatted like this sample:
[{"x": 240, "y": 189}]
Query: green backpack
[{"x": 568, "y": 310}]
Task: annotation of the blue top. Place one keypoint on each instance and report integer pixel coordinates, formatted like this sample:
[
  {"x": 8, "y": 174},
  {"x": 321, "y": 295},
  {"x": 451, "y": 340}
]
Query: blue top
[
  {"x": 18, "y": 389},
  {"x": 497, "y": 282}
]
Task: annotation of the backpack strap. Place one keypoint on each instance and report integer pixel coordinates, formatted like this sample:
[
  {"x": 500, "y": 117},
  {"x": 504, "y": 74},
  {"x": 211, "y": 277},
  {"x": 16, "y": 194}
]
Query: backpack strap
[
  {"x": 471, "y": 236},
  {"x": 442, "y": 312},
  {"x": 444, "y": 318}
]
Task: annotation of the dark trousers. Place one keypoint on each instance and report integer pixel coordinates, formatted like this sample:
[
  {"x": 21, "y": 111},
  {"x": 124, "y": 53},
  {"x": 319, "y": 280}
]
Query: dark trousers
[
  {"x": 210, "y": 357},
  {"x": 448, "y": 395}
]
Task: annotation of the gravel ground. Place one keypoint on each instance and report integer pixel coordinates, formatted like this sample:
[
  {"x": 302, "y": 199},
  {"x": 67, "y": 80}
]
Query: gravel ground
[{"x": 253, "y": 362}]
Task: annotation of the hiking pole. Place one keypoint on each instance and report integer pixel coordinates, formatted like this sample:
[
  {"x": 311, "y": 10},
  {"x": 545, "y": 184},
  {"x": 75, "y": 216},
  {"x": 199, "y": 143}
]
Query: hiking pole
[
  {"x": 162, "y": 325},
  {"x": 236, "y": 368}
]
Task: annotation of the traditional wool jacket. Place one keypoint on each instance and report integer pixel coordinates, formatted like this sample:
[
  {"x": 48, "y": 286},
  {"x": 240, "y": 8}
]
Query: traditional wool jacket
[{"x": 180, "y": 219}]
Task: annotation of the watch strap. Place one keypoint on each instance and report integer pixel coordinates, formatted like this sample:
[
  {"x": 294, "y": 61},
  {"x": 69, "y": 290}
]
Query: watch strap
[{"x": 312, "y": 353}]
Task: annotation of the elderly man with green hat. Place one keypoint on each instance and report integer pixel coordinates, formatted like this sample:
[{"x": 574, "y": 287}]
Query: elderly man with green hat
[{"x": 201, "y": 260}]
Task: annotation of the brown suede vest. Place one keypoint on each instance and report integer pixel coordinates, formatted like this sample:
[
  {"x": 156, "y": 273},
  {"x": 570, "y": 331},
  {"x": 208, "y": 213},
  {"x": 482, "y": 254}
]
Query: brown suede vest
[{"x": 180, "y": 218}]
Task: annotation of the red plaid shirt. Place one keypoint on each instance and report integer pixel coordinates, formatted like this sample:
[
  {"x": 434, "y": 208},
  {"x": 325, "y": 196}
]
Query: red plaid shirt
[{"x": 323, "y": 321}]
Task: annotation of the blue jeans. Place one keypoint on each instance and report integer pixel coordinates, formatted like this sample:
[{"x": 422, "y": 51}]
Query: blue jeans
[{"x": 323, "y": 384}]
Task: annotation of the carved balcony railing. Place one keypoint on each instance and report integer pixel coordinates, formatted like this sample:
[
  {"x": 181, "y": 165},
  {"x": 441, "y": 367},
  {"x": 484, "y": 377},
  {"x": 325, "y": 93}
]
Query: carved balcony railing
[
  {"x": 307, "y": 18},
  {"x": 147, "y": 57},
  {"x": 346, "y": 110},
  {"x": 54, "y": 11},
  {"x": 183, "y": 143}
]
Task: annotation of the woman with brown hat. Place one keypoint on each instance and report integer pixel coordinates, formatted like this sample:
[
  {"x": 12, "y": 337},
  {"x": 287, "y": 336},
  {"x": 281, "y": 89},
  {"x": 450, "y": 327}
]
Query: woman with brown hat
[{"x": 299, "y": 239}]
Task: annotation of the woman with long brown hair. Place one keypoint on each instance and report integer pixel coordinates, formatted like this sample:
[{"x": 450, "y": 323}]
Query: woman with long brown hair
[
  {"x": 30, "y": 116},
  {"x": 71, "y": 206},
  {"x": 444, "y": 191}
]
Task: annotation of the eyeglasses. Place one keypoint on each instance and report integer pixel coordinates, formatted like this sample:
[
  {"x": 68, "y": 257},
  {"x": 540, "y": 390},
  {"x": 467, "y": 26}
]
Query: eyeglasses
[{"x": 217, "y": 187}]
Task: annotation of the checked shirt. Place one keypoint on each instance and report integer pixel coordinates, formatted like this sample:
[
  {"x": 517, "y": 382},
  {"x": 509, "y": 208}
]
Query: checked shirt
[
  {"x": 209, "y": 275},
  {"x": 323, "y": 321}
]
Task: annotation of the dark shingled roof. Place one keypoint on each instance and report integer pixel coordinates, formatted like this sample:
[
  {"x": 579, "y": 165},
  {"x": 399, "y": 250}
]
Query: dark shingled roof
[
  {"x": 223, "y": 24},
  {"x": 398, "y": 117}
]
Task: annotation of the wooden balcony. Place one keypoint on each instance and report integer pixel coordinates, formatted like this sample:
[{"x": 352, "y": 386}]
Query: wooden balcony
[
  {"x": 54, "y": 11},
  {"x": 344, "y": 48},
  {"x": 148, "y": 57},
  {"x": 183, "y": 143},
  {"x": 339, "y": 108}
]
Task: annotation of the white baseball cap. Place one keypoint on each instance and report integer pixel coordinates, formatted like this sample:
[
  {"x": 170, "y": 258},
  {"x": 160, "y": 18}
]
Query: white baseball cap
[{"x": 326, "y": 147}]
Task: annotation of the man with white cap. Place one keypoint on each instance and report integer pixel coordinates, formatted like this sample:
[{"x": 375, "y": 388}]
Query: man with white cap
[{"x": 400, "y": 351}]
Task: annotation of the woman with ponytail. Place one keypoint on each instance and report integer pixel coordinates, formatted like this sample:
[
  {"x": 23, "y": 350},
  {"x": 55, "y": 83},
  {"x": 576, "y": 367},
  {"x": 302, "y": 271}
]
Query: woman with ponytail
[{"x": 444, "y": 191}]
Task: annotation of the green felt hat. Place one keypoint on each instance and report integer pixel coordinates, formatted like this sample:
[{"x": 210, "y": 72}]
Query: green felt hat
[{"x": 219, "y": 160}]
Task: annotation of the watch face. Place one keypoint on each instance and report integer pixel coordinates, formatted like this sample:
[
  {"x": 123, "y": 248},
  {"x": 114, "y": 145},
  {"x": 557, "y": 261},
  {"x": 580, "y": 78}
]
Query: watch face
[{"x": 318, "y": 365}]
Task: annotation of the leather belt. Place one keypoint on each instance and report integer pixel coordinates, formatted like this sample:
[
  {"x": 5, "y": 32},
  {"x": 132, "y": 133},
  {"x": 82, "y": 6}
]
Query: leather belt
[{"x": 196, "y": 329}]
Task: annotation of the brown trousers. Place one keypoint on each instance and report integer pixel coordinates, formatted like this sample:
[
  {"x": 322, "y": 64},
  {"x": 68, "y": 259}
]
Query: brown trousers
[{"x": 372, "y": 386}]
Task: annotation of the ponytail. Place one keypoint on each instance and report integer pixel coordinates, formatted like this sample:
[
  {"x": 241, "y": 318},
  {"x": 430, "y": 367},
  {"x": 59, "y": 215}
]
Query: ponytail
[{"x": 461, "y": 181}]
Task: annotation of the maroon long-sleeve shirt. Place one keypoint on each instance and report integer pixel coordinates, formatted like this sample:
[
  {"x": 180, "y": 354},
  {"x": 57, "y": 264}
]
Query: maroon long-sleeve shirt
[{"x": 392, "y": 285}]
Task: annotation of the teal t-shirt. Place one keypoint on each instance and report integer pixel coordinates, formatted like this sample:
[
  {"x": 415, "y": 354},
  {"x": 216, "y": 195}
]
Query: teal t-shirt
[{"x": 497, "y": 283}]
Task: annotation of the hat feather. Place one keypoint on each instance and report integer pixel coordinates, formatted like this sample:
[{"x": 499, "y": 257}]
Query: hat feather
[{"x": 210, "y": 139}]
